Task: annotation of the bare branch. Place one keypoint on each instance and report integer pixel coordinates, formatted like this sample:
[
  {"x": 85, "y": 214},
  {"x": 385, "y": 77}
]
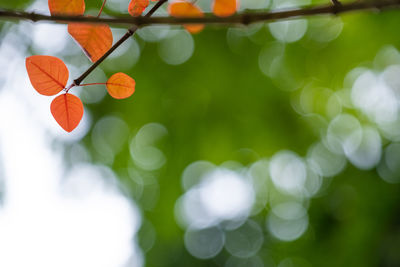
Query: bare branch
[{"x": 244, "y": 18}]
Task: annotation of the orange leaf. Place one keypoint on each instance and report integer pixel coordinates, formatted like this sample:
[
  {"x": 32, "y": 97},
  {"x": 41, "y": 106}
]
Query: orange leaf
[
  {"x": 186, "y": 9},
  {"x": 67, "y": 7},
  {"x": 136, "y": 7},
  {"x": 67, "y": 109},
  {"x": 120, "y": 85},
  {"x": 95, "y": 40},
  {"x": 224, "y": 8},
  {"x": 48, "y": 74}
]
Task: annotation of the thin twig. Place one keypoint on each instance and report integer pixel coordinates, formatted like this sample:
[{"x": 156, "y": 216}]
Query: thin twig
[
  {"x": 244, "y": 18},
  {"x": 104, "y": 3},
  {"x": 128, "y": 34}
]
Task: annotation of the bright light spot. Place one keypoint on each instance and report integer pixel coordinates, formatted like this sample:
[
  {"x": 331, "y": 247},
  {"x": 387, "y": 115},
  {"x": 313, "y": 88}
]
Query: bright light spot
[
  {"x": 291, "y": 30},
  {"x": 205, "y": 5},
  {"x": 287, "y": 221},
  {"x": 193, "y": 173},
  {"x": 392, "y": 157},
  {"x": 389, "y": 168},
  {"x": 387, "y": 55},
  {"x": 375, "y": 98},
  {"x": 324, "y": 162},
  {"x": 270, "y": 58},
  {"x": 288, "y": 172},
  {"x": 391, "y": 131},
  {"x": 259, "y": 173},
  {"x": 142, "y": 147},
  {"x": 350, "y": 79},
  {"x": 274, "y": 64},
  {"x": 119, "y": 6},
  {"x": 150, "y": 134},
  {"x": 253, "y": 4},
  {"x": 313, "y": 182},
  {"x": 288, "y": 31},
  {"x": 226, "y": 194},
  {"x": 205, "y": 243},
  {"x": 318, "y": 100},
  {"x": 42, "y": 44},
  {"x": 84, "y": 221},
  {"x": 245, "y": 241},
  {"x": 391, "y": 77},
  {"x": 289, "y": 210},
  {"x": 12, "y": 48},
  {"x": 324, "y": 29},
  {"x": 221, "y": 195},
  {"x": 177, "y": 48},
  {"x": 109, "y": 135},
  {"x": 368, "y": 153},
  {"x": 344, "y": 134},
  {"x": 155, "y": 33},
  {"x": 190, "y": 211},
  {"x": 146, "y": 188}
]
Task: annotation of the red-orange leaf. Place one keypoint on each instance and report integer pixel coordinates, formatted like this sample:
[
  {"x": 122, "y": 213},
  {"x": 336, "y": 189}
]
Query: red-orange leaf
[
  {"x": 67, "y": 7},
  {"x": 120, "y": 85},
  {"x": 48, "y": 74},
  {"x": 136, "y": 7},
  {"x": 224, "y": 8},
  {"x": 94, "y": 39},
  {"x": 186, "y": 9},
  {"x": 67, "y": 109}
]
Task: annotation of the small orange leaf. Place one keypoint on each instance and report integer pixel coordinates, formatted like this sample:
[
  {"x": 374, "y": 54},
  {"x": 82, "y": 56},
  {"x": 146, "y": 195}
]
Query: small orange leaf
[
  {"x": 95, "y": 40},
  {"x": 136, "y": 7},
  {"x": 67, "y": 7},
  {"x": 67, "y": 110},
  {"x": 224, "y": 8},
  {"x": 48, "y": 74},
  {"x": 120, "y": 85},
  {"x": 186, "y": 9}
]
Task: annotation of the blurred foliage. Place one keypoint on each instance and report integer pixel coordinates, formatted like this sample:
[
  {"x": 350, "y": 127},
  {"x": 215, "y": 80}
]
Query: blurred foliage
[{"x": 219, "y": 106}]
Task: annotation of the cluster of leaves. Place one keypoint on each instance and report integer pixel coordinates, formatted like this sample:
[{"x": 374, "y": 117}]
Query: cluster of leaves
[{"x": 49, "y": 75}]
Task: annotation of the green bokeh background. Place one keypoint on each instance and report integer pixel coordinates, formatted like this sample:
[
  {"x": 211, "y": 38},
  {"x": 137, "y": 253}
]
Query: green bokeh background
[{"x": 219, "y": 106}]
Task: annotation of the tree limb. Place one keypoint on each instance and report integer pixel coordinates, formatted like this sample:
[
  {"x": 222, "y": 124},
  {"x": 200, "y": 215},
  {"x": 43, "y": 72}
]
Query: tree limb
[{"x": 244, "y": 18}]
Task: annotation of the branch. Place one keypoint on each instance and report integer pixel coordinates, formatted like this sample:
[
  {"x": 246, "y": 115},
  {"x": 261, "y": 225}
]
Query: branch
[
  {"x": 128, "y": 34},
  {"x": 244, "y": 18}
]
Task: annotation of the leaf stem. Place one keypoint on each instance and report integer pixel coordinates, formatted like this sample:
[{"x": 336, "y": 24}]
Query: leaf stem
[
  {"x": 101, "y": 9},
  {"x": 88, "y": 84}
]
